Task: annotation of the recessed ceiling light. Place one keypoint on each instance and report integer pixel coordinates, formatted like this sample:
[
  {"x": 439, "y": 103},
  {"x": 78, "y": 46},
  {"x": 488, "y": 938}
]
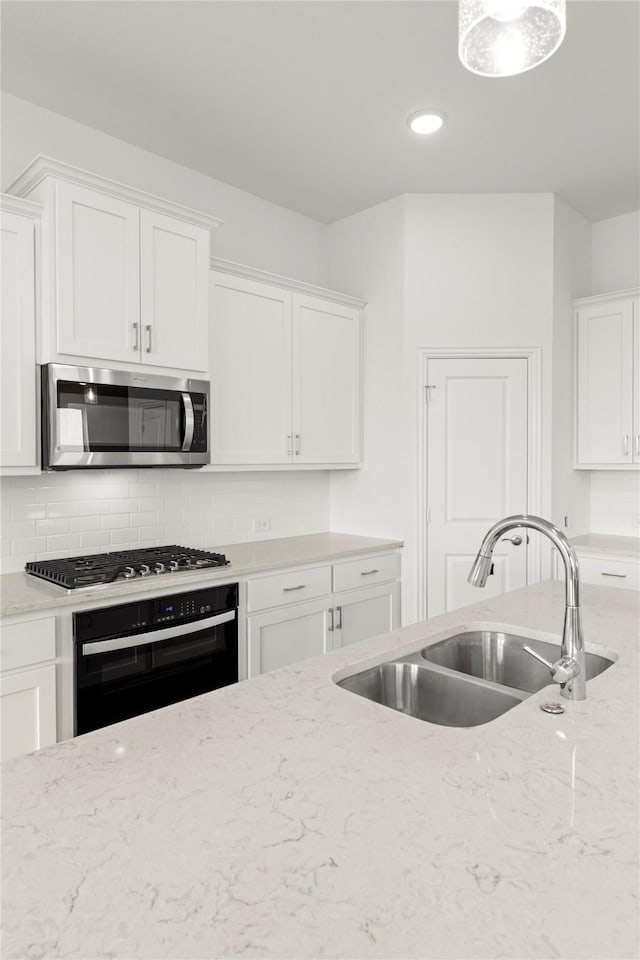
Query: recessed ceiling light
[{"x": 426, "y": 121}]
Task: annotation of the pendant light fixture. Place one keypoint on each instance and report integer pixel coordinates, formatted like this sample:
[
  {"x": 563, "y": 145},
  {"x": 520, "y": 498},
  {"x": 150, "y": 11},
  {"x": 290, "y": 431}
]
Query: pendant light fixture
[{"x": 499, "y": 38}]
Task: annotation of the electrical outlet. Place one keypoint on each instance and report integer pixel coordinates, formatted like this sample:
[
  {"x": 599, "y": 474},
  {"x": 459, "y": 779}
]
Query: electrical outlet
[{"x": 261, "y": 524}]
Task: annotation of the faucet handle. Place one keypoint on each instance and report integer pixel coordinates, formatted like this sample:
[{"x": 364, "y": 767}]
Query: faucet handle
[{"x": 564, "y": 669}]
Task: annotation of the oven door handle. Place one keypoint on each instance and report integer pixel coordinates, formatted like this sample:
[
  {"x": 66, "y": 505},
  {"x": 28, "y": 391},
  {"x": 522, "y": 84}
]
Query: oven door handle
[
  {"x": 155, "y": 636},
  {"x": 188, "y": 421}
]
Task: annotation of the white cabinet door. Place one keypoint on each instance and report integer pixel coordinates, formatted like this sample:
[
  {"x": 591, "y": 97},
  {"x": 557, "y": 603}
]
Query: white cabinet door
[
  {"x": 287, "y": 635},
  {"x": 326, "y": 388},
  {"x": 605, "y": 383},
  {"x": 28, "y": 710},
  {"x": 250, "y": 372},
  {"x": 366, "y": 613},
  {"x": 174, "y": 292},
  {"x": 17, "y": 342},
  {"x": 98, "y": 275}
]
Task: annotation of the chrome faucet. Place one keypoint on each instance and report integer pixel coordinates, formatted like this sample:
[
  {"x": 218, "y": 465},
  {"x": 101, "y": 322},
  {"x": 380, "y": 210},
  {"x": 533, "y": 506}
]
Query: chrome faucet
[{"x": 569, "y": 670}]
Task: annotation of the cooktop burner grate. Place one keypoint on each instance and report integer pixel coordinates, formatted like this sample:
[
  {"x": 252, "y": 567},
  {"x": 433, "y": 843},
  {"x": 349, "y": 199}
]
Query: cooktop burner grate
[{"x": 74, "y": 572}]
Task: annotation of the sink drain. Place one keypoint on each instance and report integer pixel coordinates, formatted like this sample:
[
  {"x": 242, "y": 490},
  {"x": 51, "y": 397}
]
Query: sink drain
[{"x": 552, "y": 706}]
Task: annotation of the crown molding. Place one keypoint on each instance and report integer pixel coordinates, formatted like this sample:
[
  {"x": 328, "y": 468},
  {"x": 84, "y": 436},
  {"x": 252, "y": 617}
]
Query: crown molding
[
  {"x": 24, "y": 208},
  {"x": 607, "y": 297},
  {"x": 296, "y": 286},
  {"x": 43, "y": 167}
]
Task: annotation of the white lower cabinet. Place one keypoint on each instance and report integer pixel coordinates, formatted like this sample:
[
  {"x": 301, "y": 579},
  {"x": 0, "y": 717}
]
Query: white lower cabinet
[
  {"x": 27, "y": 710},
  {"x": 27, "y": 686},
  {"x": 279, "y": 637},
  {"x": 365, "y": 613},
  {"x": 281, "y": 631}
]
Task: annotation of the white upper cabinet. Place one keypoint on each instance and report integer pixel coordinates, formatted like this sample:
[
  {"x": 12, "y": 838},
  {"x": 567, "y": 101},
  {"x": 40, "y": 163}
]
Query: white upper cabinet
[
  {"x": 98, "y": 274},
  {"x": 285, "y": 372},
  {"x": 18, "y": 231},
  {"x": 326, "y": 385},
  {"x": 125, "y": 274},
  {"x": 174, "y": 292},
  {"x": 608, "y": 382},
  {"x": 250, "y": 372}
]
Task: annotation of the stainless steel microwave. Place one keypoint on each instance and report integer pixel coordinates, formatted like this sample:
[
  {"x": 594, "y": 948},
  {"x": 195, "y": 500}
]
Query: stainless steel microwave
[{"x": 114, "y": 418}]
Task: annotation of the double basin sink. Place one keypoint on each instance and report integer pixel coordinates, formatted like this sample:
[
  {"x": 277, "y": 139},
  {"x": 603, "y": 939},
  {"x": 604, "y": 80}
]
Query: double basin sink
[{"x": 464, "y": 680}]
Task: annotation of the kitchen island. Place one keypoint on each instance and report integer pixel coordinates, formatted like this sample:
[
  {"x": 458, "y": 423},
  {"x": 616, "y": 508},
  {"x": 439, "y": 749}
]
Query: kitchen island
[{"x": 287, "y": 817}]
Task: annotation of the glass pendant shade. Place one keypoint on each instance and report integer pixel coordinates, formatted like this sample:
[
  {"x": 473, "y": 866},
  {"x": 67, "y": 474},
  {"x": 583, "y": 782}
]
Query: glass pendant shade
[{"x": 499, "y": 38}]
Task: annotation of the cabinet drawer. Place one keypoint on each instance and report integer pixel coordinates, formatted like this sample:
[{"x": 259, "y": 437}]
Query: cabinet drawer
[
  {"x": 365, "y": 571},
  {"x": 22, "y": 644},
  {"x": 610, "y": 573},
  {"x": 303, "y": 584}
]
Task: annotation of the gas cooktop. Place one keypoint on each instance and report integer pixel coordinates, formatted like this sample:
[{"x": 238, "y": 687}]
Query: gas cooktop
[{"x": 74, "y": 572}]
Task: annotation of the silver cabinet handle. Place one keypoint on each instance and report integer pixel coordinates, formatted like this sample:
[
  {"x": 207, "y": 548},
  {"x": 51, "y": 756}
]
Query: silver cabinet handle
[
  {"x": 626, "y": 444},
  {"x": 136, "y": 343},
  {"x": 637, "y": 444},
  {"x": 516, "y": 541},
  {"x": 289, "y": 444},
  {"x": 339, "y": 623},
  {"x": 620, "y": 576},
  {"x": 148, "y": 329},
  {"x": 300, "y": 586},
  {"x": 330, "y": 627},
  {"x": 298, "y": 444},
  {"x": 367, "y": 573},
  {"x": 155, "y": 636}
]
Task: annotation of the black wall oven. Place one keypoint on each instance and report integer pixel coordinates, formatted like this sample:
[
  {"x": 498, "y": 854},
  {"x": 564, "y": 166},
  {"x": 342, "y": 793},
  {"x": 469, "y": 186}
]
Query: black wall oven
[{"x": 137, "y": 657}]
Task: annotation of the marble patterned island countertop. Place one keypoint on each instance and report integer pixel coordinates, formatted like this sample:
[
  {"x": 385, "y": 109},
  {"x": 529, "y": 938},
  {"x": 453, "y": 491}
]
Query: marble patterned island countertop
[
  {"x": 22, "y": 593},
  {"x": 285, "y": 817}
]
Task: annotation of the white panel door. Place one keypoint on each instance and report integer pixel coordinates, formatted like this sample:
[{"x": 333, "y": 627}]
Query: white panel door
[
  {"x": 605, "y": 383},
  {"x": 174, "y": 292},
  {"x": 326, "y": 386},
  {"x": 366, "y": 613},
  {"x": 17, "y": 342},
  {"x": 250, "y": 337},
  {"x": 28, "y": 711},
  {"x": 98, "y": 275},
  {"x": 476, "y": 474},
  {"x": 286, "y": 635}
]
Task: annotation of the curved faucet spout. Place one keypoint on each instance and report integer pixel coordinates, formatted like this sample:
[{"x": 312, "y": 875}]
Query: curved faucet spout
[{"x": 572, "y": 640}]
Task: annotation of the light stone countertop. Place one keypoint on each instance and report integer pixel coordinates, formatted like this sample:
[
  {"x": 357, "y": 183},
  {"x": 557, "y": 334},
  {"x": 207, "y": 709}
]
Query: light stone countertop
[
  {"x": 22, "y": 593},
  {"x": 607, "y": 545},
  {"x": 285, "y": 817}
]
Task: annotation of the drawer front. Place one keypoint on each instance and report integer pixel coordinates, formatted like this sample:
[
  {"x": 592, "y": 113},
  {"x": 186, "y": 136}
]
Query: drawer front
[
  {"x": 306, "y": 583},
  {"x": 22, "y": 644},
  {"x": 610, "y": 573},
  {"x": 365, "y": 571}
]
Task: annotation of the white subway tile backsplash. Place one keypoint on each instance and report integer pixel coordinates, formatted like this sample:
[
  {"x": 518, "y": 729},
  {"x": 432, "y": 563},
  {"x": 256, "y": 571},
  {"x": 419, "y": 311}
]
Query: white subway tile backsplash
[
  {"x": 615, "y": 502},
  {"x": 58, "y": 515}
]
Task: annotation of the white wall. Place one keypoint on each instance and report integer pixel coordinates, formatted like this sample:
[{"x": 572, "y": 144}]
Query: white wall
[
  {"x": 616, "y": 253},
  {"x": 255, "y": 231},
  {"x": 571, "y": 489},
  {"x": 615, "y": 495},
  {"x": 367, "y": 257},
  {"x": 62, "y": 515},
  {"x": 470, "y": 271}
]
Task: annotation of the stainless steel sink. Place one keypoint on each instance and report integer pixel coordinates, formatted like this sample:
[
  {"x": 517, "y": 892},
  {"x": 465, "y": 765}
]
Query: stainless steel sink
[
  {"x": 416, "y": 689},
  {"x": 499, "y": 657}
]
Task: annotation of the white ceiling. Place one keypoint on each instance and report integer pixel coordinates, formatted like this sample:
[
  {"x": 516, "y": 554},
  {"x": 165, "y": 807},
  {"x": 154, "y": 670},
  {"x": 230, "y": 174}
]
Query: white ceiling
[{"x": 304, "y": 102}]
